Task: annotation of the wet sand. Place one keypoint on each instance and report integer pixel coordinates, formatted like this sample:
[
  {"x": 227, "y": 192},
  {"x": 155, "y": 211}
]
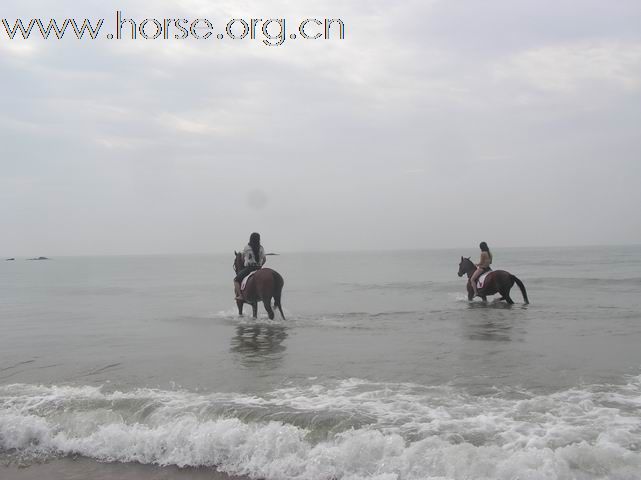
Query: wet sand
[{"x": 83, "y": 469}]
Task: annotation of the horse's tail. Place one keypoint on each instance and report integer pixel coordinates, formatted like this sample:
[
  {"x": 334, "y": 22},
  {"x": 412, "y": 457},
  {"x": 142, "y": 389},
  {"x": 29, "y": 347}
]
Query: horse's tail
[
  {"x": 522, "y": 287},
  {"x": 279, "y": 283}
]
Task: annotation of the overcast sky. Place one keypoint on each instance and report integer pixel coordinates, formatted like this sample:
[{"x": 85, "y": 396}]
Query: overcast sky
[{"x": 433, "y": 124}]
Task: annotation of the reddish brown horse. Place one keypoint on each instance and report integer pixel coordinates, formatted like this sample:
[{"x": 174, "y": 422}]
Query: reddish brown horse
[
  {"x": 263, "y": 285},
  {"x": 497, "y": 281}
]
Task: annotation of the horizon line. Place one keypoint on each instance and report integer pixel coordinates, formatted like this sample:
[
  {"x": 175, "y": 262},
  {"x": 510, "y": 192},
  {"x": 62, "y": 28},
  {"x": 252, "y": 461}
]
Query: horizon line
[{"x": 349, "y": 251}]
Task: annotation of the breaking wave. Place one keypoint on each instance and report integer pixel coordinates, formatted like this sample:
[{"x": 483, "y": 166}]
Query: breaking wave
[{"x": 350, "y": 429}]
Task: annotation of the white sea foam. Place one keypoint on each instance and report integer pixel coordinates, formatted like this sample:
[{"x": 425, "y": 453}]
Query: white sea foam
[
  {"x": 248, "y": 319},
  {"x": 392, "y": 431}
]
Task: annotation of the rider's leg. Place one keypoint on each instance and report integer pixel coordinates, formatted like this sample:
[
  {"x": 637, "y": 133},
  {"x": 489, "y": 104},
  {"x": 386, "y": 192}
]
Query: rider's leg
[
  {"x": 474, "y": 278},
  {"x": 239, "y": 278}
]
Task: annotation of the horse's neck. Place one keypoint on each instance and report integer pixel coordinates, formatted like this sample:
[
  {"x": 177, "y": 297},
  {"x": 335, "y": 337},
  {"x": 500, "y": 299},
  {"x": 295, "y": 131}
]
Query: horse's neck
[{"x": 471, "y": 270}]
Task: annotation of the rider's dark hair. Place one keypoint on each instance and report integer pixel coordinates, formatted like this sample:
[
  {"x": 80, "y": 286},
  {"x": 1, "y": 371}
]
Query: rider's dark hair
[
  {"x": 484, "y": 248},
  {"x": 254, "y": 243}
]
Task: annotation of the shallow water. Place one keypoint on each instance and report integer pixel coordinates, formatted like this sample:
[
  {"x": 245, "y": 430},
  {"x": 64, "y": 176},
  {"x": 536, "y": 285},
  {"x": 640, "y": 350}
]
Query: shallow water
[{"x": 381, "y": 370}]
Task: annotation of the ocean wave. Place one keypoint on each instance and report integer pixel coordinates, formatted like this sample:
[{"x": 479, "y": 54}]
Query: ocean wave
[
  {"x": 343, "y": 320},
  {"x": 350, "y": 429},
  {"x": 632, "y": 282},
  {"x": 426, "y": 285}
]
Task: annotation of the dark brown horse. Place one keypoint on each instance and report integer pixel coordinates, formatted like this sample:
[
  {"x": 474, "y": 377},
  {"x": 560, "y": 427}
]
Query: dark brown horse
[
  {"x": 263, "y": 285},
  {"x": 497, "y": 281}
]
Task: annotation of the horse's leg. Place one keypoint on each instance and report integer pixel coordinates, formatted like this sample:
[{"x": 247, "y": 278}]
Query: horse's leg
[
  {"x": 255, "y": 309},
  {"x": 240, "y": 304},
  {"x": 484, "y": 298},
  {"x": 506, "y": 296},
  {"x": 470, "y": 292},
  {"x": 268, "y": 306}
]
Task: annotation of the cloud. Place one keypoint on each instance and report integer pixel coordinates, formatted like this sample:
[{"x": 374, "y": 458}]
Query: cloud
[
  {"x": 18, "y": 50},
  {"x": 386, "y": 137},
  {"x": 186, "y": 125},
  {"x": 575, "y": 68}
]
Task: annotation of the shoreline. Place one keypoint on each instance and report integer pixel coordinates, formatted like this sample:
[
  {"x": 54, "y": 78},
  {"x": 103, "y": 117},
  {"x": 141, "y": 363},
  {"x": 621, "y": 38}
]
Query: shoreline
[{"x": 82, "y": 468}]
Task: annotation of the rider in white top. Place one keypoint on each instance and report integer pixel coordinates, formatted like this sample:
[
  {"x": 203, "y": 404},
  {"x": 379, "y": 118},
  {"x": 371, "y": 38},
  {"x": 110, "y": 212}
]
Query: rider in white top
[
  {"x": 248, "y": 256},
  {"x": 253, "y": 259}
]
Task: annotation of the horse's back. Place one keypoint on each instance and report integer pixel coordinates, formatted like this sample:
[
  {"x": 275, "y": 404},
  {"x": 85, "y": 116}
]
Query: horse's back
[
  {"x": 265, "y": 272},
  {"x": 265, "y": 281},
  {"x": 499, "y": 274},
  {"x": 502, "y": 272},
  {"x": 495, "y": 280}
]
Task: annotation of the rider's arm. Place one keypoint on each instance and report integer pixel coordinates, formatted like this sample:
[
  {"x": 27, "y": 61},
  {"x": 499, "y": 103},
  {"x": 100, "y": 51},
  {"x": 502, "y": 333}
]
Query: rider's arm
[{"x": 247, "y": 253}]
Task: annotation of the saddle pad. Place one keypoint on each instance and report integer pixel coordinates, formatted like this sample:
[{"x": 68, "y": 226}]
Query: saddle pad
[
  {"x": 244, "y": 284},
  {"x": 481, "y": 280}
]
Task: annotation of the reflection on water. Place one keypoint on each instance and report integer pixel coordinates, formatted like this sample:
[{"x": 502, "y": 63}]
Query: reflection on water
[
  {"x": 492, "y": 321},
  {"x": 493, "y": 304},
  {"x": 259, "y": 345},
  {"x": 491, "y": 331}
]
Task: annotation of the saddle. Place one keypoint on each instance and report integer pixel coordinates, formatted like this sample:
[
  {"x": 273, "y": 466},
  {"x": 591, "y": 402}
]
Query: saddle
[
  {"x": 243, "y": 285},
  {"x": 481, "y": 280}
]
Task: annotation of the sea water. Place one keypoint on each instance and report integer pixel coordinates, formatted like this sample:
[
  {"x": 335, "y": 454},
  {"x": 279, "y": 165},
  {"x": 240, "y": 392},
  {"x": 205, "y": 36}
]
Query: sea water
[{"x": 381, "y": 370}]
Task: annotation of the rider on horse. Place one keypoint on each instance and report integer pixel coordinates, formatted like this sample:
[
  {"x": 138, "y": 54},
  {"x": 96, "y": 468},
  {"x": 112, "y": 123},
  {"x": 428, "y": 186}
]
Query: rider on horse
[
  {"x": 253, "y": 259},
  {"x": 483, "y": 265}
]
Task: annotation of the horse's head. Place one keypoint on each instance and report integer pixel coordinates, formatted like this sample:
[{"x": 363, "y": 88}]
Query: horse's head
[
  {"x": 466, "y": 266},
  {"x": 239, "y": 263}
]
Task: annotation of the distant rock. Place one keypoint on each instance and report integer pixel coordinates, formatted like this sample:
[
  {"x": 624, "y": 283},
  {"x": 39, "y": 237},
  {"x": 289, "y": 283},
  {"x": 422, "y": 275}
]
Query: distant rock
[
  {"x": 272, "y": 254},
  {"x": 10, "y": 259},
  {"x": 40, "y": 258}
]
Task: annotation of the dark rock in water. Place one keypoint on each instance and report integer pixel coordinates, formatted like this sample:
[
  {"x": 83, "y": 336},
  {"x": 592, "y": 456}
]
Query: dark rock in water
[
  {"x": 39, "y": 258},
  {"x": 272, "y": 254},
  {"x": 10, "y": 259}
]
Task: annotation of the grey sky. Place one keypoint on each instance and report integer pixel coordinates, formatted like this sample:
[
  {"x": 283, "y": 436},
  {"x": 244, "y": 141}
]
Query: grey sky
[{"x": 433, "y": 124}]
